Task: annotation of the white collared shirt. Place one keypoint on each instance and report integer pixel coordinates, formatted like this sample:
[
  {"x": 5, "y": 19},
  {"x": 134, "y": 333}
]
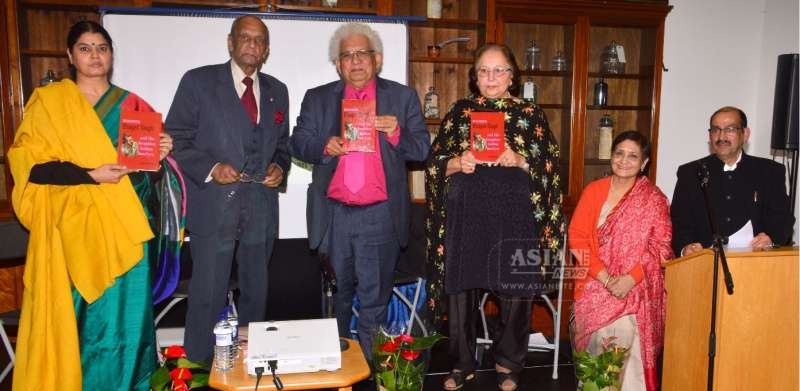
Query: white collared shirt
[
  {"x": 238, "y": 76},
  {"x": 726, "y": 167}
]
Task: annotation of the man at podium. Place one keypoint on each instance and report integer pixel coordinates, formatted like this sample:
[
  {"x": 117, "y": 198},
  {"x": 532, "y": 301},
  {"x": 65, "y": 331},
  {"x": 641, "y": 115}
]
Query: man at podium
[{"x": 747, "y": 193}]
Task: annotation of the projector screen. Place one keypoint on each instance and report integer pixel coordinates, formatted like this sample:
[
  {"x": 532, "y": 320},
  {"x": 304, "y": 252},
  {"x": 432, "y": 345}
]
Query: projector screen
[{"x": 152, "y": 51}]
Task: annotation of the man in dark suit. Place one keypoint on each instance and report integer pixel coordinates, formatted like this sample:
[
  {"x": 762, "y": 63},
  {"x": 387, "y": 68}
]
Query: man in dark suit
[
  {"x": 358, "y": 202},
  {"x": 230, "y": 135},
  {"x": 743, "y": 190}
]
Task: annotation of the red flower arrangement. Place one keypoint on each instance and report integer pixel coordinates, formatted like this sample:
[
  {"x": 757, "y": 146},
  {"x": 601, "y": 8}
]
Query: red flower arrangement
[
  {"x": 176, "y": 372},
  {"x": 398, "y": 366}
]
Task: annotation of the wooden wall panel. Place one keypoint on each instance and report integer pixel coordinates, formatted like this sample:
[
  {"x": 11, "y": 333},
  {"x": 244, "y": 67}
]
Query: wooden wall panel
[
  {"x": 4, "y": 190},
  {"x": 11, "y": 288},
  {"x": 46, "y": 28}
]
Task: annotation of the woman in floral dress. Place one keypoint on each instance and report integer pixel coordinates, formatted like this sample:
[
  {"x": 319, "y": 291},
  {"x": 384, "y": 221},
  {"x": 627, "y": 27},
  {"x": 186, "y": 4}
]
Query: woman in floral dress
[{"x": 492, "y": 225}]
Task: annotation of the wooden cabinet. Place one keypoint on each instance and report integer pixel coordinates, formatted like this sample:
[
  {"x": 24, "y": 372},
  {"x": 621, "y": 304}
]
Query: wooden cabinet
[
  {"x": 582, "y": 30},
  {"x": 447, "y": 70}
]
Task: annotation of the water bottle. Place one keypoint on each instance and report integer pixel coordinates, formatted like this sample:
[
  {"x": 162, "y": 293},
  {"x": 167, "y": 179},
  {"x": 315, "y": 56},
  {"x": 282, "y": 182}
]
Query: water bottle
[
  {"x": 606, "y": 137},
  {"x": 530, "y": 91},
  {"x": 431, "y": 106},
  {"x": 600, "y": 93},
  {"x": 233, "y": 320},
  {"x": 223, "y": 345}
]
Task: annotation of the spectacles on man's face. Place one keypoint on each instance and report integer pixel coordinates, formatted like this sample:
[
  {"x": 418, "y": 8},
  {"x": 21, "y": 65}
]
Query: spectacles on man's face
[
  {"x": 359, "y": 54},
  {"x": 728, "y": 131},
  {"x": 484, "y": 72}
]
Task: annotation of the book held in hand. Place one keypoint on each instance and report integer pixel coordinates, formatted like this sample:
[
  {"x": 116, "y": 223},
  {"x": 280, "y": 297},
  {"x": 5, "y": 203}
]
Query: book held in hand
[
  {"x": 487, "y": 135},
  {"x": 139, "y": 137},
  {"x": 358, "y": 125}
]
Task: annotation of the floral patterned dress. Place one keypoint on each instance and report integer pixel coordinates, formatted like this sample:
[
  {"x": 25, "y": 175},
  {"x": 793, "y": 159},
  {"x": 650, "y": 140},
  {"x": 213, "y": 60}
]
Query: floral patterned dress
[{"x": 527, "y": 133}]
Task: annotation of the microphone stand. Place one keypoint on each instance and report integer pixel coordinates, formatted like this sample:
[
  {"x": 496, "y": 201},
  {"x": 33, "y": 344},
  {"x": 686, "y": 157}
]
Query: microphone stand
[{"x": 719, "y": 255}]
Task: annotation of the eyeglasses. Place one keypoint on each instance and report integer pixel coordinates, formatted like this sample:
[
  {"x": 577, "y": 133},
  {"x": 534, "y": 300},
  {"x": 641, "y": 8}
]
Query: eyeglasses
[
  {"x": 496, "y": 72},
  {"x": 247, "y": 177},
  {"x": 730, "y": 130},
  {"x": 359, "y": 54}
]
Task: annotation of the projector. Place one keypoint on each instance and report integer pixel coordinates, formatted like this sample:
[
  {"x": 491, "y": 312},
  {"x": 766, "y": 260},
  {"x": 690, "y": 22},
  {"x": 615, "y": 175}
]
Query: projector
[{"x": 298, "y": 346}]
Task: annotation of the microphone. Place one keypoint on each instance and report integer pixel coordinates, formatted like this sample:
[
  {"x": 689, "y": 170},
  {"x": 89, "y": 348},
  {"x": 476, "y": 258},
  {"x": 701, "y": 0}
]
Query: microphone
[{"x": 703, "y": 174}]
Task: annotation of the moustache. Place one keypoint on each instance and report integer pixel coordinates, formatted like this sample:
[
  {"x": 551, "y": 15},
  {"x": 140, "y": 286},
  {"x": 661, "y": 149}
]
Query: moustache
[{"x": 722, "y": 142}]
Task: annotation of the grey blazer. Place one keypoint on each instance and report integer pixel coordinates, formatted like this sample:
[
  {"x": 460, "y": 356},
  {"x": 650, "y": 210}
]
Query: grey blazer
[
  {"x": 320, "y": 118},
  {"x": 208, "y": 125}
]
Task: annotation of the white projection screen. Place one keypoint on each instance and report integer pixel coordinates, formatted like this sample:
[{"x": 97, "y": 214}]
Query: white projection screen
[{"x": 153, "y": 50}]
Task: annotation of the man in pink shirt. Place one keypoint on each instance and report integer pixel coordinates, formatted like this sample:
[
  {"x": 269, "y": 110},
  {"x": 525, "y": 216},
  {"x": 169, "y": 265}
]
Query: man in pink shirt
[{"x": 358, "y": 202}]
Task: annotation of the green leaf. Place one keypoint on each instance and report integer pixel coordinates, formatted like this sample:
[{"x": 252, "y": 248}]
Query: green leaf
[
  {"x": 199, "y": 380},
  {"x": 184, "y": 363},
  {"x": 590, "y": 386},
  {"x": 421, "y": 343},
  {"x": 160, "y": 379},
  {"x": 386, "y": 379}
]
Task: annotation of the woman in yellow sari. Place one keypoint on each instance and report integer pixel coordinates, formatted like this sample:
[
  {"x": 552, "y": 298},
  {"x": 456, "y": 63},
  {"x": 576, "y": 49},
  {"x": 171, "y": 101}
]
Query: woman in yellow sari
[{"x": 87, "y": 311}]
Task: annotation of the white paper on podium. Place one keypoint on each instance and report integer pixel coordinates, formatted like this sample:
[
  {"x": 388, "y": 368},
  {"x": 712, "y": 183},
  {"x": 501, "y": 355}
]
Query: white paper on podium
[{"x": 742, "y": 237}]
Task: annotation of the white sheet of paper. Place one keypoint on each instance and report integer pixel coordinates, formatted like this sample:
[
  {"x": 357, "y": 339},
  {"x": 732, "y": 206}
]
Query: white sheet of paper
[
  {"x": 537, "y": 339},
  {"x": 742, "y": 237}
]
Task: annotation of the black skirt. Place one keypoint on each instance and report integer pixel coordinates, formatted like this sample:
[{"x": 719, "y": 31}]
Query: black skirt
[{"x": 490, "y": 239}]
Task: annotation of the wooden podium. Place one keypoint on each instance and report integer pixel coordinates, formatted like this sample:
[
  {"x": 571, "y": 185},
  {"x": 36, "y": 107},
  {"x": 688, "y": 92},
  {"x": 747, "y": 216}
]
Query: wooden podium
[{"x": 757, "y": 326}]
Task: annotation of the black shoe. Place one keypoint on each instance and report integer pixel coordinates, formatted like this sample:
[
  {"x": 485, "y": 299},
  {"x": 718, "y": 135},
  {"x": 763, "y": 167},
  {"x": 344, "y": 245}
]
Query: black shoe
[
  {"x": 459, "y": 378},
  {"x": 502, "y": 377}
]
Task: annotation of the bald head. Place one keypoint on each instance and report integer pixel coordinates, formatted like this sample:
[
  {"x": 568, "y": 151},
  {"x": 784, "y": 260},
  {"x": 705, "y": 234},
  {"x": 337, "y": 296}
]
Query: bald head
[{"x": 248, "y": 19}]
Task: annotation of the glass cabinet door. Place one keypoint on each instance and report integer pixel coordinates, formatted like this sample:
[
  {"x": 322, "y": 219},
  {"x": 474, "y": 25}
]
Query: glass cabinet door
[
  {"x": 545, "y": 53},
  {"x": 440, "y": 57},
  {"x": 619, "y": 91}
]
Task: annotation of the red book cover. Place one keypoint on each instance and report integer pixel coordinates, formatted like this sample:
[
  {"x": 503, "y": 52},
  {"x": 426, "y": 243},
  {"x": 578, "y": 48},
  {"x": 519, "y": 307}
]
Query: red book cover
[
  {"x": 487, "y": 135},
  {"x": 358, "y": 125},
  {"x": 138, "y": 145}
]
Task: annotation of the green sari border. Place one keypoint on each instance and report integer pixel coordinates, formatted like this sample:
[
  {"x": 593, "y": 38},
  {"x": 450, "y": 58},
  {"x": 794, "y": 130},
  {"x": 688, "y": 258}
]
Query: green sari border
[{"x": 109, "y": 100}]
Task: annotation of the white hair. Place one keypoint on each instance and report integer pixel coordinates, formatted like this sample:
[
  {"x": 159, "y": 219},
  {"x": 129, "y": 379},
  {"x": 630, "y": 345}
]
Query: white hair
[{"x": 348, "y": 30}]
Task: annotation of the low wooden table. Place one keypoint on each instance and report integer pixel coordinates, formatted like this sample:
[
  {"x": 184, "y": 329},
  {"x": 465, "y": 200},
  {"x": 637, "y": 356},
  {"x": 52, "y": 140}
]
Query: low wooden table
[{"x": 354, "y": 369}]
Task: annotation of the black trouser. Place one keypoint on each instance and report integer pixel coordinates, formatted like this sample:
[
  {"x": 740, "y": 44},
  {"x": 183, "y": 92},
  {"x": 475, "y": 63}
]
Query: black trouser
[
  {"x": 244, "y": 230},
  {"x": 510, "y": 344}
]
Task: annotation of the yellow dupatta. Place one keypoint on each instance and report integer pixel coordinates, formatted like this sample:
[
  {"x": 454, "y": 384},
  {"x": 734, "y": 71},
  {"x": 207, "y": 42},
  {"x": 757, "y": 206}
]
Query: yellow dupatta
[{"x": 83, "y": 236}]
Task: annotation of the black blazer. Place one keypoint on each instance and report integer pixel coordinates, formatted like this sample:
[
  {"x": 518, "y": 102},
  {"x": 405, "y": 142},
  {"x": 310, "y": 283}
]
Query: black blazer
[
  {"x": 208, "y": 122},
  {"x": 320, "y": 119},
  {"x": 755, "y": 191}
]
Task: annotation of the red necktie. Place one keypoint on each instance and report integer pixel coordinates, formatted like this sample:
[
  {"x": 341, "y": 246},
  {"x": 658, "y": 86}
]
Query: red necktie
[
  {"x": 249, "y": 100},
  {"x": 354, "y": 172}
]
